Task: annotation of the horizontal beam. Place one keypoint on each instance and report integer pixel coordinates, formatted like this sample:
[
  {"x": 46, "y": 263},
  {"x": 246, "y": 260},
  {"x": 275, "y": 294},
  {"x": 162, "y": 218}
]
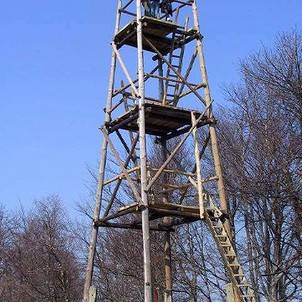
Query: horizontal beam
[
  {"x": 123, "y": 123},
  {"x": 127, "y": 12},
  {"x": 120, "y": 176},
  {"x": 197, "y": 86},
  {"x": 131, "y": 226},
  {"x": 127, "y": 210},
  {"x": 174, "y": 213},
  {"x": 175, "y": 171}
]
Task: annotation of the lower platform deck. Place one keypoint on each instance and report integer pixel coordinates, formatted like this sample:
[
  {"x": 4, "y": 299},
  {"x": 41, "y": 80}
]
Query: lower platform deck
[
  {"x": 176, "y": 214},
  {"x": 160, "y": 120}
]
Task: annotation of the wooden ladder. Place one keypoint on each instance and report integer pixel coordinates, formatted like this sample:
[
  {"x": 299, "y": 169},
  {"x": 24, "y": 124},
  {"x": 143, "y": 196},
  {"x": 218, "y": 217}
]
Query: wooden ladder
[
  {"x": 176, "y": 60},
  {"x": 214, "y": 219}
]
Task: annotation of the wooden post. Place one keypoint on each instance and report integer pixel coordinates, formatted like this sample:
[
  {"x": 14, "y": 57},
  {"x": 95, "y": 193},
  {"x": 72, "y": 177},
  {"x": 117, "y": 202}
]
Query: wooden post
[
  {"x": 168, "y": 267},
  {"x": 212, "y": 130},
  {"x": 230, "y": 292},
  {"x": 167, "y": 239},
  {"x": 92, "y": 294},
  {"x": 198, "y": 168},
  {"x": 213, "y": 135},
  {"x": 161, "y": 82},
  {"x": 143, "y": 157},
  {"x": 167, "y": 236},
  {"x": 103, "y": 153}
]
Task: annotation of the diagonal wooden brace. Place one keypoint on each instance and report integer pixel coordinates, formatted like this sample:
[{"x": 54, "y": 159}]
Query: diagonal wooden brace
[{"x": 121, "y": 164}]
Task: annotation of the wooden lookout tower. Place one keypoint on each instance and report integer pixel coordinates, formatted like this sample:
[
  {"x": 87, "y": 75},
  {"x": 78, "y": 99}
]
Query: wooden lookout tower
[{"x": 159, "y": 95}]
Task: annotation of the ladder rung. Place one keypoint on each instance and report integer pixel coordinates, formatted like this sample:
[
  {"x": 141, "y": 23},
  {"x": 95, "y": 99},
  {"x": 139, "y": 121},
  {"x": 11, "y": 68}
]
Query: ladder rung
[
  {"x": 220, "y": 238},
  {"x": 175, "y": 62},
  {"x": 234, "y": 264},
  {"x": 236, "y": 270},
  {"x": 238, "y": 275},
  {"x": 230, "y": 255},
  {"x": 243, "y": 285}
]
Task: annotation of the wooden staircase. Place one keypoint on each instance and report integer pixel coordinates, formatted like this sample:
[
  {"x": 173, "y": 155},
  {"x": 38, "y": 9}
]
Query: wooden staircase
[{"x": 215, "y": 221}]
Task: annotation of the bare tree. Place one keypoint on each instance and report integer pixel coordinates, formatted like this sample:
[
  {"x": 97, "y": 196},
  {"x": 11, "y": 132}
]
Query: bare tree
[
  {"x": 39, "y": 261},
  {"x": 262, "y": 154},
  {"x": 261, "y": 145}
]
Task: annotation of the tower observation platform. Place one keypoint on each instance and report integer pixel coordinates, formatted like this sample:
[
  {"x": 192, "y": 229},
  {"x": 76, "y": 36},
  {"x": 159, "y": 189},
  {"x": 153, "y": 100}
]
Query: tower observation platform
[
  {"x": 159, "y": 111},
  {"x": 158, "y": 32}
]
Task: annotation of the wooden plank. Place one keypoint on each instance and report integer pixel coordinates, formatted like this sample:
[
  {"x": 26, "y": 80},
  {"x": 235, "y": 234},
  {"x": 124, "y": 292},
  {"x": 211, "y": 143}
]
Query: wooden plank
[
  {"x": 133, "y": 208},
  {"x": 123, "y": 123},
  {"x": 127, "y": 207},
  {"x": 133, "y": 226},
  {"x": 92, "y": 294},
  {"x": 171, "y": 206},
  {"x": 173, "y": 213},
  {"x": 121, "y": 175}
]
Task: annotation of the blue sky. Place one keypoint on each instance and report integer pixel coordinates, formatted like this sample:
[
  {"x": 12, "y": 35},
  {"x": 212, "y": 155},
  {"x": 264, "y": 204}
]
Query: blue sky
[{"x": 54, "y": 59}]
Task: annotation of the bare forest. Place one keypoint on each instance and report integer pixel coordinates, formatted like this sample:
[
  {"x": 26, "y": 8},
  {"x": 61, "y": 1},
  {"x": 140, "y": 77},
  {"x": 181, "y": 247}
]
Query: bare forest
[{"x": 43, "y": 251}]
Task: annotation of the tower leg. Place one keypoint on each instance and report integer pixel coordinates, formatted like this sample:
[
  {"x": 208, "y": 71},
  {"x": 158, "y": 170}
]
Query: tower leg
[
  {"x": 167, "y": 237},
  {"x": 212, "y": 130},
  {"x": 231, "y": 292},
  {"x": 143, "y": 158},
  {"x": 94, "y": 233},
  {"x": 168, "y": 268},
  {"x": 92, "y": 294},
  {"x": 198, "y": 168},
  {"x": 213, "y": 135},
  {"x": 98, "y": 198}
]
